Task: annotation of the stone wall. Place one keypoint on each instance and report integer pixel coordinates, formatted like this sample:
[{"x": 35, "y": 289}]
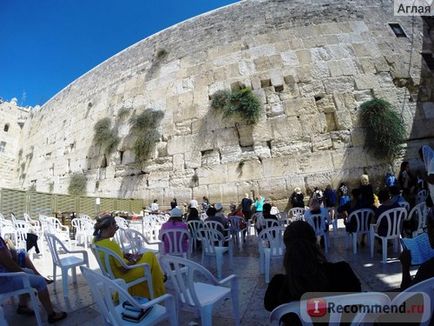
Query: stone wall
[
  {"x": 311, "y": 64},
  {"x": 13, "y": 164}
]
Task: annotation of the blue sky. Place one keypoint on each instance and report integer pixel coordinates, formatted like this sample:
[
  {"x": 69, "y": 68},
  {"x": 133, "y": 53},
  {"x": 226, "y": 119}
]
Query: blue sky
[{"x": 46, "y": 44}]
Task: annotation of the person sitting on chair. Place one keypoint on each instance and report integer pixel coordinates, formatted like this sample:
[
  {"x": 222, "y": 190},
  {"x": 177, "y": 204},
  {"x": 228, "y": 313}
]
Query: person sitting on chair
[
  {"x": 426, "y": 269},
  {"x": 306, "y": 270},
  {"x": 11, "y": 283},
  {"x": 175, "y": 222},
  {"x": 105, "y": 229}
]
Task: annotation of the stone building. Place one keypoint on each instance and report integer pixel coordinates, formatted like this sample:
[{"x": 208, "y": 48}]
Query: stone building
[
  {"x": 311, "y": 63},
  {"x": 12, "y": 161}
]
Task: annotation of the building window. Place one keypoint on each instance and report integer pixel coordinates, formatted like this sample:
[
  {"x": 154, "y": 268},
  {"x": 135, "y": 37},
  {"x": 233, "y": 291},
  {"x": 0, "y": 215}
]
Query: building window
[
  {"x": 2, "y": 146},
  {"x": 6, "y": 127},
  {"x": 397, "y": 29}
]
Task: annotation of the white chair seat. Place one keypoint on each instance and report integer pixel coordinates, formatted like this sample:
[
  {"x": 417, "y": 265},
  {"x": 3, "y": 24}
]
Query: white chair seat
[
  {"x": 71, "y": 261},
  {"x": 209, "y": 294},
  {"x": 152, "y": 318}
]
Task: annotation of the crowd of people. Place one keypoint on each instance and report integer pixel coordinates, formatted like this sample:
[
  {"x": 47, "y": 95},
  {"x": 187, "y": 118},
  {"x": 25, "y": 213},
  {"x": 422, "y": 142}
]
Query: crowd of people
[{"x": 306, "y": 267}]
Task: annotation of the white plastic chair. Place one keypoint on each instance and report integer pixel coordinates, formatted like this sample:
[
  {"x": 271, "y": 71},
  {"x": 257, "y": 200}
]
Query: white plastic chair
[
  {"x": 361, "y": 318},
  {"x": 270, "y": 245},
  {"x": 296, "y": 213},
  {"x": 105, "y": 266},
  {"x": 419, "y": 212},
  {"x": 427, "y": 289},
  {"x": 216, "y": 225},
  {"x": 174, "y": 239},
  {"x": 103, "y": 290},
  {"x": 121, "y": 222},
  {"x": 269, "y": 223},
  {"x": 139, "y": 243},
  {"x": 421, "y": 196},
  {"x": 318, "y": 223},
  {"x": 21, "y": 228},
  {"x": 404, "y": 204},
  {"x": 193, "y": 226},
  {"x": 362, "y": 217},
  {"x": 53, "y": 226},
  {"x": 213, "y": 244},
  {"x": 237, "y": 232},
  {"x": 394, "y": 218},
  {"x": 83, "y": 230},
  {"x": 26, "y": 289},
  {"x": 65, "y": 263},
  {"x": 7, "y": 228},
  {"x": 200, "y": 295}
]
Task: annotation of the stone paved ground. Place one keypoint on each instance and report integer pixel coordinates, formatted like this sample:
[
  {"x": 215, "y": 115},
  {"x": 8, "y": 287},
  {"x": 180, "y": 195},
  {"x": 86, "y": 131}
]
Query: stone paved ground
[{"x": 81, "y": 309}]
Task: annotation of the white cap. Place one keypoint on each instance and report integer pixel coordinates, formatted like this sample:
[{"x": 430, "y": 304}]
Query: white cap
[{"x": 176, "y": 212}]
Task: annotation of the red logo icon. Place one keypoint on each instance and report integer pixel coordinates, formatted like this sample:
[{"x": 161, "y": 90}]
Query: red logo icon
[{"x": 316, "y": 307}]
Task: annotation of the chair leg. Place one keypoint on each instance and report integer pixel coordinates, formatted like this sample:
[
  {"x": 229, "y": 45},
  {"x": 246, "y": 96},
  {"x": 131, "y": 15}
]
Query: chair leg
[
  {"x": 219, "y": 263},
  {"x": 261, "y": 261},
  {"x": 74, "y": 274},
  {"x": 35, "y": 305},
  {"x": 371, "y": 244},
  {"x": 65, "y": 282},
  {"x": 354, "y": 243},
  {"x": 267, "y": 262},
  {"x": 206, "y": 315},
  {"x": 235, "y": 305},
  {"x": 384, "y": 250}
]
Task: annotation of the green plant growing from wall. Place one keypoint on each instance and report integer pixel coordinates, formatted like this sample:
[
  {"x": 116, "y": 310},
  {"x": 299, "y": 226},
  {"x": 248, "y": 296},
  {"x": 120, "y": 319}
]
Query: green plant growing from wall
[
  {"x": 105, "y": 136},
  {"x": 242, "y": 103},
  {"x": 77, "y": 184},
  {"x": 144, "y": 130},
  {"x": 385, "y": 130},
  {"x": 123, "y": 113},
  {"x": 32, "y": 187}
]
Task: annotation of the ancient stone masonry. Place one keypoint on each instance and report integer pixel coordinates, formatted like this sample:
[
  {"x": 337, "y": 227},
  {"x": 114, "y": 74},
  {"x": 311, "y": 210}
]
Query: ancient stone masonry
[{"x": 311, "y": 63}]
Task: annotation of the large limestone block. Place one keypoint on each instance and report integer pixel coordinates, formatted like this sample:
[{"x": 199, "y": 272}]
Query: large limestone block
[
  {"x": 178, "y": 162},
  {"x": 313, "y": 124},
  {"x": 343, "y": 67},
  {"x": 215, "y": 193},
  {"x": 300, "y": 106},
  {"x": 321, "y": 142},
  {"x": 339, "y": 84},
  {"x": 326, "y": 104},
  {"x": 286, "y": 129},
  {"x": 341, "y": 139},
  {"x": 226, "y": 137},
  {"x": 214, "y": 174},
  {"x": 280, "y": 166},
  {"x": 192, "y": 159},
  {"x": 344, "y": 101},
  {"x": 273, "y": 188},
  {"x": 229, "y": 153},
  {"x": 229, "y": 195},
  {"x": 210, "y": 157},
  {"x": 291, "y": 149},
  {"x": 244, "y": 170},
  {"x": 179, "y": 144},
  {"x": 350, "y": 158},
  {"x": 316, "y": 162},
  {"x": 311, "y": 88}
]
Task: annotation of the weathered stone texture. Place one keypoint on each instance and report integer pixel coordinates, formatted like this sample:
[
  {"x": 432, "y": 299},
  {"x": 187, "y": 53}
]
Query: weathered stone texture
[{"x": 311, "y": 66}]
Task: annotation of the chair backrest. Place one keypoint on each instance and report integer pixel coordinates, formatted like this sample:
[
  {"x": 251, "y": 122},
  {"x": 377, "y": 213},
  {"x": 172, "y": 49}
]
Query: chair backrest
[
  {"x": 235, "y": 223},
  {"x": 121, "y": 222},
  {"x": 136, "y": 240},
  {"x": 54, "y": 244},
  {"x": 175, "y": 241},
  {"x": 421, "y": 196},
  {"x": 181, "y": 272},
  {"x": 427, "y": 288},
  {"x": 272, "y": 238},
  {"x": 297, "y": 213},
  {"x": 13, "y": 218},
  {"x": 78, "y": 224},
  {"x": 210, "y": 239},
  {"x": 394, "y": 218},
  {"x": 195, "y": 225},
  {"x": 53, "y": 225},
  {"x": 269, "y": 222},
  {"x": 362, "y": 218},
  {"x": 318, "y": 223},
  {"x": 216, "y": 225},
  {"x": 404, "y": 204},
  {"x": 300, "y": 308},
  {"x": 22, "y": 228},
  {"x": 282, "y": 215},
  {"x": 103, "y": 290},
  {"x": 419, "y": 212},
  {"x": 123, "y": 240}
]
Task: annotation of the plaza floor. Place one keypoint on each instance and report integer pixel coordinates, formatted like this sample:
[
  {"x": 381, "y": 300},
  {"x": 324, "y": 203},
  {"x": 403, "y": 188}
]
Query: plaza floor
[{"x": 82, "y": 311}]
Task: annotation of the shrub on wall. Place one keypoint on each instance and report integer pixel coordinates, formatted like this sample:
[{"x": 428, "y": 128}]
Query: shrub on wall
[
  {"x": 385, "y": 131},
  {"x": 242, "y": 103},
  {"x": 77, "y": 184},
  {"x": 144, "y": 129},
  {"x": 105, "y": 136}
]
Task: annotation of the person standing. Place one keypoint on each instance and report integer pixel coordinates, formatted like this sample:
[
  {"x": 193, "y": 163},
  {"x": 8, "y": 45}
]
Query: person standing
[
  {"x": 246, "y": 205},
  {"x": 155, "y": 208},
  {"x": 297, "y": 198},
  {"x": 259, "y": 203}
]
